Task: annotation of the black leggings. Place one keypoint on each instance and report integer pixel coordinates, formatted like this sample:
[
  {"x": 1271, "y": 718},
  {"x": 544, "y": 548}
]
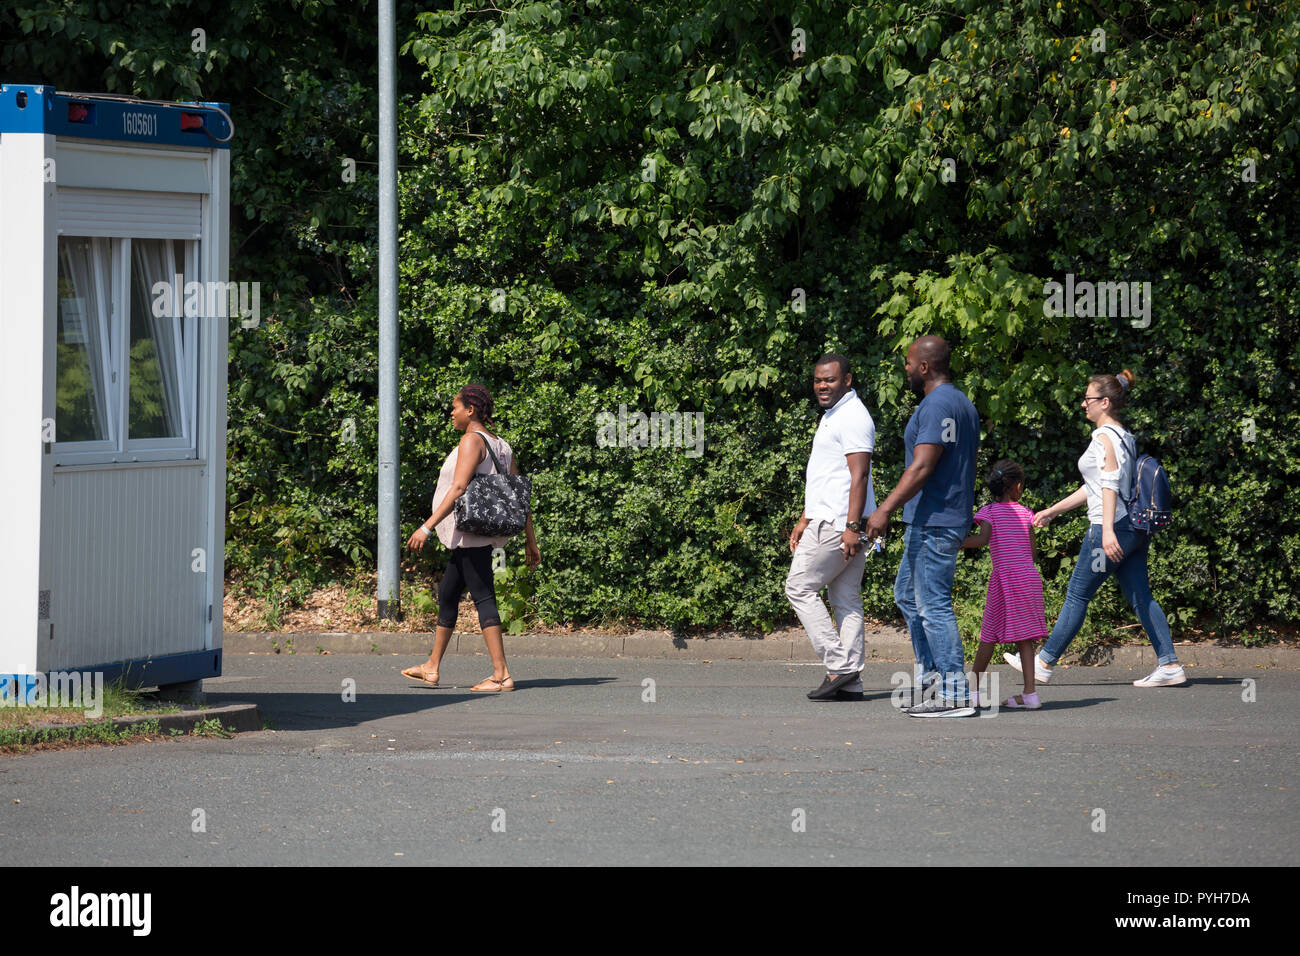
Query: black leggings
[{"x": 470, "y": 567}]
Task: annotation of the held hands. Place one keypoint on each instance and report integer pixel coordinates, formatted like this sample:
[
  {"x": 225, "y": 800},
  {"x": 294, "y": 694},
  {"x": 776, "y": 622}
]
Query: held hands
[{"x": 1043, "y": 518}]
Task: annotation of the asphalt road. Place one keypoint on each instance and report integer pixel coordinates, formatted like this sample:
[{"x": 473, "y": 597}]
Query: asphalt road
[{"x": 728, "y": 764}]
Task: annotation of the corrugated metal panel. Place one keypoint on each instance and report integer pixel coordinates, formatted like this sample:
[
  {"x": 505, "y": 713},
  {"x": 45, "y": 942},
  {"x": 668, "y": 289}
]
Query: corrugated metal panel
[
  {"x": 123, "y": 585},
  {"x": 129, "y": 213}
]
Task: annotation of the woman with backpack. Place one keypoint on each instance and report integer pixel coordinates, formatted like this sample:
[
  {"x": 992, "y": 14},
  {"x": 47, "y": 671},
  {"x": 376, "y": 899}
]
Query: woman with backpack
[{"x": 1112, "y": 545}]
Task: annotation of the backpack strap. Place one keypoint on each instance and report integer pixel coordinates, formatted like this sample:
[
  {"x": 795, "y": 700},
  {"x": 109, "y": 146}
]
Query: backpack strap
[{"x": 1133, "y": 476}]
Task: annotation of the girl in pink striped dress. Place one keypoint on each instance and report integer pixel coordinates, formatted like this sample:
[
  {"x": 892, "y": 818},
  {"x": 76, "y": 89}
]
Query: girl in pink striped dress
[{"x": 1013, "y": 612}]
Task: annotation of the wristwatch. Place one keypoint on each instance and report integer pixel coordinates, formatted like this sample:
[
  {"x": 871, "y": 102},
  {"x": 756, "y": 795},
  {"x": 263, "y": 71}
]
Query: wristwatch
[{"x": 855, "y": 526}]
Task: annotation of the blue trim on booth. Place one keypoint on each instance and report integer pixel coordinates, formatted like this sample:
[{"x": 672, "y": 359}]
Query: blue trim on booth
[
  {"x": 45, "y": 110},
  {"x": 156, "y": 671},
  {"x": 147, "y": 672}
]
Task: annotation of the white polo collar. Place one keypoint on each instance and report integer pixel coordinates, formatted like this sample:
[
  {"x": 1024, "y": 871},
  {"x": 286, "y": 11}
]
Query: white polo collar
[{"x": 847, "y": 396}]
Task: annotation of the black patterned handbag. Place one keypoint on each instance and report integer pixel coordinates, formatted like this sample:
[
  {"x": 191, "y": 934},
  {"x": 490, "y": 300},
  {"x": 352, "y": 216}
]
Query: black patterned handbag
[{"x": 494, "y": 505}]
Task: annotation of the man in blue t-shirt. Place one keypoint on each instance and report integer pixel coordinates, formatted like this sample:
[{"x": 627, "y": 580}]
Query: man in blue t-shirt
[{"x": 937, "y": 493}]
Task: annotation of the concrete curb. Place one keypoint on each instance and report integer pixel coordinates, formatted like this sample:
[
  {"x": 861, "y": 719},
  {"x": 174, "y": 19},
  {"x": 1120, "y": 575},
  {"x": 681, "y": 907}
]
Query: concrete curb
[
  {"x": 1193, "y": 655},
  {"x": 236, "y": 718},
  {"x": 883, "y": 644},
  {"x": 642, "y": 645}
]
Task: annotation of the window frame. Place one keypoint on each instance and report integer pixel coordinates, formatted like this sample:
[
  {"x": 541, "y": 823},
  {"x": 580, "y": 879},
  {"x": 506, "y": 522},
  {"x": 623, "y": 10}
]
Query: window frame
[{"x": 116, "y": 334}]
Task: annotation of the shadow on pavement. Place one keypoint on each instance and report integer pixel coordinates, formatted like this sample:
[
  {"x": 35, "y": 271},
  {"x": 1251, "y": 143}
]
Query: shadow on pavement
[
  {"x": 298, "y": 711},
  {"x": 538, "y": 683},
  {"x": 1068, "y": 704}
]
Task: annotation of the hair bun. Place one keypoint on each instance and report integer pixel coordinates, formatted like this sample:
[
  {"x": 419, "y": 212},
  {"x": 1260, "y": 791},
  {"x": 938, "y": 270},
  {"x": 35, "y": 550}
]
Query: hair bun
[{"x": 1126, "y": 379}]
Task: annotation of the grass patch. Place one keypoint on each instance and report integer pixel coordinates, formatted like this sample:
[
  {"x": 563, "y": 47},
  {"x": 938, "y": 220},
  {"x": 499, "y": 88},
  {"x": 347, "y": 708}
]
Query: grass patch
[
  {"x": 18, "y": 740},
  {"x": 118, "y": 701},
  {"x": 212, "y": 727},
  {"x": 22, "y": 739}
]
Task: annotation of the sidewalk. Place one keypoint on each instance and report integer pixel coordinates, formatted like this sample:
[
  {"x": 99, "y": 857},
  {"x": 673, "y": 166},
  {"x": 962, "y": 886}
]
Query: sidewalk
[
  {"x": 882, "y": 644},
  {"x": 676, "y": 763}
]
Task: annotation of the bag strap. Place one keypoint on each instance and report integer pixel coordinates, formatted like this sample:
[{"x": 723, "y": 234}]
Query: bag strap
[
  {"x": 1133, "y": 477},
  {"x": 488, "y": 445}
]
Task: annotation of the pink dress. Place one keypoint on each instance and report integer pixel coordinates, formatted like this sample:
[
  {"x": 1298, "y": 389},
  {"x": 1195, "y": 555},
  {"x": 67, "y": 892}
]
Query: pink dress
[{"x": 1014, "y": 609}]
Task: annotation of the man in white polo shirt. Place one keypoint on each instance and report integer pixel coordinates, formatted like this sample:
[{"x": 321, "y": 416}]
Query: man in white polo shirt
[{"x": 828, "y": 546}]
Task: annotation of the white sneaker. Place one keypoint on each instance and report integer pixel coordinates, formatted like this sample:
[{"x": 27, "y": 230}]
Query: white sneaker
[
  {"x": 1042, "y": 673},
  {"x": 1166, "y": 675}
]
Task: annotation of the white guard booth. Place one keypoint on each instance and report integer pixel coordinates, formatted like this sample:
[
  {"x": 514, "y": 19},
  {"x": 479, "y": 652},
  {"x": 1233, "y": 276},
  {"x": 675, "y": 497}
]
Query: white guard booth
[{"x": 112, "y": 386}]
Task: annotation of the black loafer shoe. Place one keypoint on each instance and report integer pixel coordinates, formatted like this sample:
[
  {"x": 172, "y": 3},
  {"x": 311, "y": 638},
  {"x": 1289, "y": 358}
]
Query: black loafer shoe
[
  {"x": 820, "y": 692},
  {"x": 832, "y": 684}
]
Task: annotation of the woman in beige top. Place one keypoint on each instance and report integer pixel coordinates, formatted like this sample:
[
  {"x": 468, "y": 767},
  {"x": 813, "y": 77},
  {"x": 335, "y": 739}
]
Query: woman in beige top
[{"x": 471, "y": 554}]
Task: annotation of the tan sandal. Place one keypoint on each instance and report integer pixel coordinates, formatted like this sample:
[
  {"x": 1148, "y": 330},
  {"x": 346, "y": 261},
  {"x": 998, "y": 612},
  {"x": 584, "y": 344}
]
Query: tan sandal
[
  {"x": 418, "y": 673},
  {"x": 490, "y": 685}
]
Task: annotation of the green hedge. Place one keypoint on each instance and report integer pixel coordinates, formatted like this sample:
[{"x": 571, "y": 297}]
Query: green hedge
[{"x": 649, "y": 185}]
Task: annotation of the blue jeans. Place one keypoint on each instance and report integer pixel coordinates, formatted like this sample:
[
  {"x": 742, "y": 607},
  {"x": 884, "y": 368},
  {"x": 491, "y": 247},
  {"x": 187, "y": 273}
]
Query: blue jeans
[
  {"x": 923, "y": 592},
  {"x": 1090, "y": 571}
]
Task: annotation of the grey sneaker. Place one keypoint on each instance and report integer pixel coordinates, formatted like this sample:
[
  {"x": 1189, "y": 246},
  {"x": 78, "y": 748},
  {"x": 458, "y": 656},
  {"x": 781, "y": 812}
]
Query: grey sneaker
[
  {"x": 939, "y": 708},
  {"x": 918, "y": 695}
]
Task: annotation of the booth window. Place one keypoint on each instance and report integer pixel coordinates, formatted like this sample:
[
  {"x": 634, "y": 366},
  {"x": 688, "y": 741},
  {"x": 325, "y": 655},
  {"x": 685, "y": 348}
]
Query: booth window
[{"x": 127, "y": 366}]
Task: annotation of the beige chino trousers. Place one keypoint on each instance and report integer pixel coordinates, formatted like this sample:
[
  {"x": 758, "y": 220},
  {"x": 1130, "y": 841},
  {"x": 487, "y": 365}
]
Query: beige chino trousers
[{"x": 819, "y": 563}]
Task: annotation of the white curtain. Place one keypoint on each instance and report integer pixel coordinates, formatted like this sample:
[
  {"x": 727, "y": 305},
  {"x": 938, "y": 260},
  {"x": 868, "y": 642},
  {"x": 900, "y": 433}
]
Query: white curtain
[
  {"x": 87, "y": 264},
  {"x": 154, "y": 260}
]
